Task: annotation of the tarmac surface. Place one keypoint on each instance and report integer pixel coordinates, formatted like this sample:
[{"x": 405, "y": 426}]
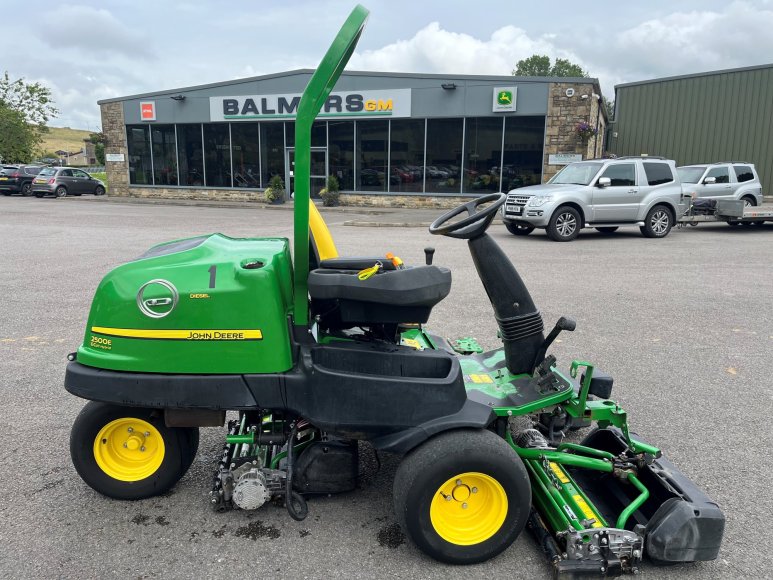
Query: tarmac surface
[{"x": 684, "y": 324}]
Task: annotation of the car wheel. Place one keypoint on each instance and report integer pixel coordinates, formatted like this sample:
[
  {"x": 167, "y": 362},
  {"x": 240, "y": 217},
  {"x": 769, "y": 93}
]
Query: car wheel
[
  {"x": 733, "y": 224},
  {"x": 519, "y": 229},
  {"x": 61, "y": 191},
  {"x": 463, "y": 496},
  {"x": 607, "y": 230},
  {"x": 99, "y": 190},
  {"x": 658, "y": 222},
  {"x": 564, "y": 225},
  {"x": 26, "y": 189},
  {"x": 749, "y": 201}
]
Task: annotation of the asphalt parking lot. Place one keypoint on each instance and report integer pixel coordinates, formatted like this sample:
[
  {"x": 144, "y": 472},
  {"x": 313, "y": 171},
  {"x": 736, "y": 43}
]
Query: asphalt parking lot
[{"x": 684, "y": 324}]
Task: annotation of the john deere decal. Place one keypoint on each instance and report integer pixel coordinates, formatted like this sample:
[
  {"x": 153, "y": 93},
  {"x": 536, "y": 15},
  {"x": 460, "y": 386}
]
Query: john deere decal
[{"x": 504, "y": 99}]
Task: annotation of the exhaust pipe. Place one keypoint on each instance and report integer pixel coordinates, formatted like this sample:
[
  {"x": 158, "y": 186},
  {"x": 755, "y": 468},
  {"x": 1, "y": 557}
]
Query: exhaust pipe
[{"x": 520, "y": 322}]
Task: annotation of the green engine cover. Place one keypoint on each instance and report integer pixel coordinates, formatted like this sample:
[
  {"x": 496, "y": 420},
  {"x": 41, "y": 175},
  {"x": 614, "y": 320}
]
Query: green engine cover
[{"x": 205, "y": 305}]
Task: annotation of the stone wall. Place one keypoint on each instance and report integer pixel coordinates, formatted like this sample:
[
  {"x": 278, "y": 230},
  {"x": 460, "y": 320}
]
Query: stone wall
[
  {"x": 563, "y": 115},
  {"x": 115, "y": 142},
  {"x": 410, "y": 201}
]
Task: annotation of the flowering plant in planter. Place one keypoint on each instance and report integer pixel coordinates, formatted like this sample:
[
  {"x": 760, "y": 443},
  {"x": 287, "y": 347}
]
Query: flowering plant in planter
[{"x": 585, "y": 130}]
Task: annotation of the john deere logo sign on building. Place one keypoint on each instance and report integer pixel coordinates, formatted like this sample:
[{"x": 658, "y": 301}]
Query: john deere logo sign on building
[
  {"x": 504, "y": 99},
  {"x": 387, "y": 104}
]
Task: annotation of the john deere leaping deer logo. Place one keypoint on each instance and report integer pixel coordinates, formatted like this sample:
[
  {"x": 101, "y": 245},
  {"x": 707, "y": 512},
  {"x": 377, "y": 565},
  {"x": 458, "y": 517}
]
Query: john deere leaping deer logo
[{"x": 505, "y": 97}]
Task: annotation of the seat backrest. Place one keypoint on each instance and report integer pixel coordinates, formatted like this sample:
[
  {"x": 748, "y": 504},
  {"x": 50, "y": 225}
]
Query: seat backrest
[{"x": 320, "y": 240}]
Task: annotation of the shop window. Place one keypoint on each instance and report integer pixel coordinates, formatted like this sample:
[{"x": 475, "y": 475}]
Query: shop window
[
  {"x": 444, "y": 155},
  {"x": 318, "y": 134},
  {"x": 190, "y": 156},
  {"x": 482, "y": 154},
  {"x": 524, "y": 145},
  {"x": 406, "y": 165},
  {"x": 372, "y": 142},
  {"x": 164, "y": 154},
  {"x": 341, "y": 153},
  {"x": 272, "y": 151},
  {"x": 139, "y": 155},
  {"x": 246, "y": 154},
  {"x": 217, "y": 155}
]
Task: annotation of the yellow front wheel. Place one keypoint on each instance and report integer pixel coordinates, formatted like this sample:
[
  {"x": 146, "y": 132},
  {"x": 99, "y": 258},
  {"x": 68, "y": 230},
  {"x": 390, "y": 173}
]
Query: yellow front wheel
[
  {"x": 463, "y": 496},
  {"x": 129, "y": 453}
]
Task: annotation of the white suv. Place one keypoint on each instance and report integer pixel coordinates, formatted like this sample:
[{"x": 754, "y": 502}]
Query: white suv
[
  {"x": 724, "y": 180},
  {"x": 600, "y": 193}
]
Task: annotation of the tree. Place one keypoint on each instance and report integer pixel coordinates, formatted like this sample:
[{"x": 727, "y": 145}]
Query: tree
[
  {"x": 17, "y": 142},
  {"x": 98, "y": 139},
  {"x": 609, "y": 106},
  {"x": 538, "y": 65},
  {"x": 25, "y": 108}
]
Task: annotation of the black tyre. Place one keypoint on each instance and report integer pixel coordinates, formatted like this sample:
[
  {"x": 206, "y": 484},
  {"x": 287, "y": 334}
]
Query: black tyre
[
  {"x": 564, "y": 224},
  {"x": 519, "y": 229},
  {"x": 658, "y": 222},
  {"x": 7, "y": 193},
  {"x": 26, "y": 189},
  {"x": 127, "y": 452},
  {"x": 733, "y": 224},
  {"x": 607, "y": 230},
  {"x": 61, "y": 191},
  {"x": 749, "y": 201},
  {"x": 39, "y": 195},
  {"x": 99, "y": 190},
  {"x": 463, "y": 496}
]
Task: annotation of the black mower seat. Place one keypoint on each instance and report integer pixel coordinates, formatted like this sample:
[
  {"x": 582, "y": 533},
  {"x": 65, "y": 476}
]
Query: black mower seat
[{"x": 395, "y": 296}]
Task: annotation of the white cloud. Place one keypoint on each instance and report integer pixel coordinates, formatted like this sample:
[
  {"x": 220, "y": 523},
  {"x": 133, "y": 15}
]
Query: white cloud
[{"x": 435, "y": 50}]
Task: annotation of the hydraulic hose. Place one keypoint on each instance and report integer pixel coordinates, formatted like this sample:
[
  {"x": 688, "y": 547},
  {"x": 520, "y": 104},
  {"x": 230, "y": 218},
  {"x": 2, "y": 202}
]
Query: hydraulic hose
[{"x": 292, "y": 497}]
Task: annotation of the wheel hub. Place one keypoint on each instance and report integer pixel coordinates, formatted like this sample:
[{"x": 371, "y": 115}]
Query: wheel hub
[
  {"x": 468, "y": 508},
  {"x": 129, "y": 449}
]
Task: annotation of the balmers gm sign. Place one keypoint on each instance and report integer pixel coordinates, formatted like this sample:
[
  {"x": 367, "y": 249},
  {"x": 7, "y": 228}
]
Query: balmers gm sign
[{"x": 385, "y": 104}]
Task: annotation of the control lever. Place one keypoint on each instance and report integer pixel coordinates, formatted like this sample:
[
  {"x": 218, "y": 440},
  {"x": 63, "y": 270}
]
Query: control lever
[
  {"x": 564, "y": 323},
  {"x": 428, "y": 255}
]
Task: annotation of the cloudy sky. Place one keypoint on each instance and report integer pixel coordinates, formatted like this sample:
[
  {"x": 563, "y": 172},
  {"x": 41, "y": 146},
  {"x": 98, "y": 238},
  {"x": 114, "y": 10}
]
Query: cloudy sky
[{"x": 86, "y": 51}]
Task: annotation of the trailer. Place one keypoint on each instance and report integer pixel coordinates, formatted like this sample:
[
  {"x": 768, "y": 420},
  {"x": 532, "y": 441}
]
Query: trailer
[{"x": 732, "y": 211}]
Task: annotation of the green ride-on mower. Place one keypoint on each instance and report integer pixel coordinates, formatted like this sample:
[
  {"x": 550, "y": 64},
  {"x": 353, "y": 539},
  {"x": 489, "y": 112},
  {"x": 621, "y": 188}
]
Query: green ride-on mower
[{"x": 319, "y": 352}]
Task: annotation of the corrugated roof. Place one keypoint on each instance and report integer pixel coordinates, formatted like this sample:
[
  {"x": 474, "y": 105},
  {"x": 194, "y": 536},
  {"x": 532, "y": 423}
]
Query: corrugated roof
[
  {"x": 694, "y": 75},
  {"x": 302, "y": 71}
]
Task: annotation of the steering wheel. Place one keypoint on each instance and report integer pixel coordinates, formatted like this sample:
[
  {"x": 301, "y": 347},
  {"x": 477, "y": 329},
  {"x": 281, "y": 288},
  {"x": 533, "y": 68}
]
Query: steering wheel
[{"x": 476, "y": 222}]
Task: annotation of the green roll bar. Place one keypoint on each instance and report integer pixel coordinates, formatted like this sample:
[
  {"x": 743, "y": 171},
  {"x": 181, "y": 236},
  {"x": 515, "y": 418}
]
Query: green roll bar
[{"x": 314, "y": 96}]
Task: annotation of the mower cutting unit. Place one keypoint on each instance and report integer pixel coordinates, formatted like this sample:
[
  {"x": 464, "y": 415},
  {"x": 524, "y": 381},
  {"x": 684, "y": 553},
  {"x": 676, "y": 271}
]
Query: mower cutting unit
[{"x": 319, "y": 352}]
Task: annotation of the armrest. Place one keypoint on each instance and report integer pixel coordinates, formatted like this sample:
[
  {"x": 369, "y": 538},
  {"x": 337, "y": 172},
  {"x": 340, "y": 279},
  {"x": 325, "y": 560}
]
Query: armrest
[{"x": 358, "y": 263}]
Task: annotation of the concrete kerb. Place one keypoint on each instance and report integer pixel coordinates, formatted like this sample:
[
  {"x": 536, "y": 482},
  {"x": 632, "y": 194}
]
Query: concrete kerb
[{"x": 388, "y": 217}]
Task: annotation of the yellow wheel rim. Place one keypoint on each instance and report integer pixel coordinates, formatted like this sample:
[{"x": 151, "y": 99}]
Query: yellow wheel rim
[
  {"x": 129, "y": 449},
  {"x": 468, "y": 509}
]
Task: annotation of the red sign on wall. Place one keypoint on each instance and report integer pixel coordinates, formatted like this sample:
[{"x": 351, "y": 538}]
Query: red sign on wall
[{"x": 148, "y": 111}]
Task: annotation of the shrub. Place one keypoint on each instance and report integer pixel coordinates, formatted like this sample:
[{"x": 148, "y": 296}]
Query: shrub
[
  {"x": 331, "y": 194},
  {"x": 275, "y": 192}
]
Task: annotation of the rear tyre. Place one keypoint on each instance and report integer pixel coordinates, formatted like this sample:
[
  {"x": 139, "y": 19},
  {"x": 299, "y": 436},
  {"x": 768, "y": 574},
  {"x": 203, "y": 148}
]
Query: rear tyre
[
  {"x": 61, "y": 191},
  {"x": 519, "y": 229},
  {"x": 658, "y": 222},
  {"x": 128, "y": 453},
  {"x": 99, "y": 190},
  {"x": 26, "y": 189},
  {"x": 564, "y": 224},
  {"x": 749, "y": 201},
  {"x": 607, "y": 230},
  {"x": 463, "y": 496}
]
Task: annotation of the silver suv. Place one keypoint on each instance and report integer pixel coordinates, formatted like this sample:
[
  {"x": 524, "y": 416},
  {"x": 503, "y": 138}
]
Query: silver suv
[
  {"x": 724, "y": 180},
  {"x": 600, "y": 193}
]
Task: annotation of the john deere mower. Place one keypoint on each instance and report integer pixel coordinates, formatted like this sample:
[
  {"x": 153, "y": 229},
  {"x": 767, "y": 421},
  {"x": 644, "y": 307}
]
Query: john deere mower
[{"x": 318, "y": 352}]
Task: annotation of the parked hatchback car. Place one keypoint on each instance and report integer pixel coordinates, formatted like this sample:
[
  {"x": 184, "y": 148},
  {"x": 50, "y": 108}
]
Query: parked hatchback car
[
  {"x": 601, "y": 193},
  {"x": 17, "y": 179},
  {"x": 724, "y": 180},
  {"x": 61, "y": 181}
]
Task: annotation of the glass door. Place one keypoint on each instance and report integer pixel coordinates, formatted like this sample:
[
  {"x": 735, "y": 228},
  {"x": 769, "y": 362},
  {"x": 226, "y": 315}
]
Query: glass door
[{"x": 318, "y": 170}]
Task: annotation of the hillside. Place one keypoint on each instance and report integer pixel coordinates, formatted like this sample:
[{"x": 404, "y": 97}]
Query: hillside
[{"x": 64, "y": 138}]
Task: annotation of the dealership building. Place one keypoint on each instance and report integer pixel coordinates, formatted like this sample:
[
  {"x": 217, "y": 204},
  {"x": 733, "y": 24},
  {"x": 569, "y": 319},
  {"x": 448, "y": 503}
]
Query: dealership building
[{"x": 390, "y": 138}]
